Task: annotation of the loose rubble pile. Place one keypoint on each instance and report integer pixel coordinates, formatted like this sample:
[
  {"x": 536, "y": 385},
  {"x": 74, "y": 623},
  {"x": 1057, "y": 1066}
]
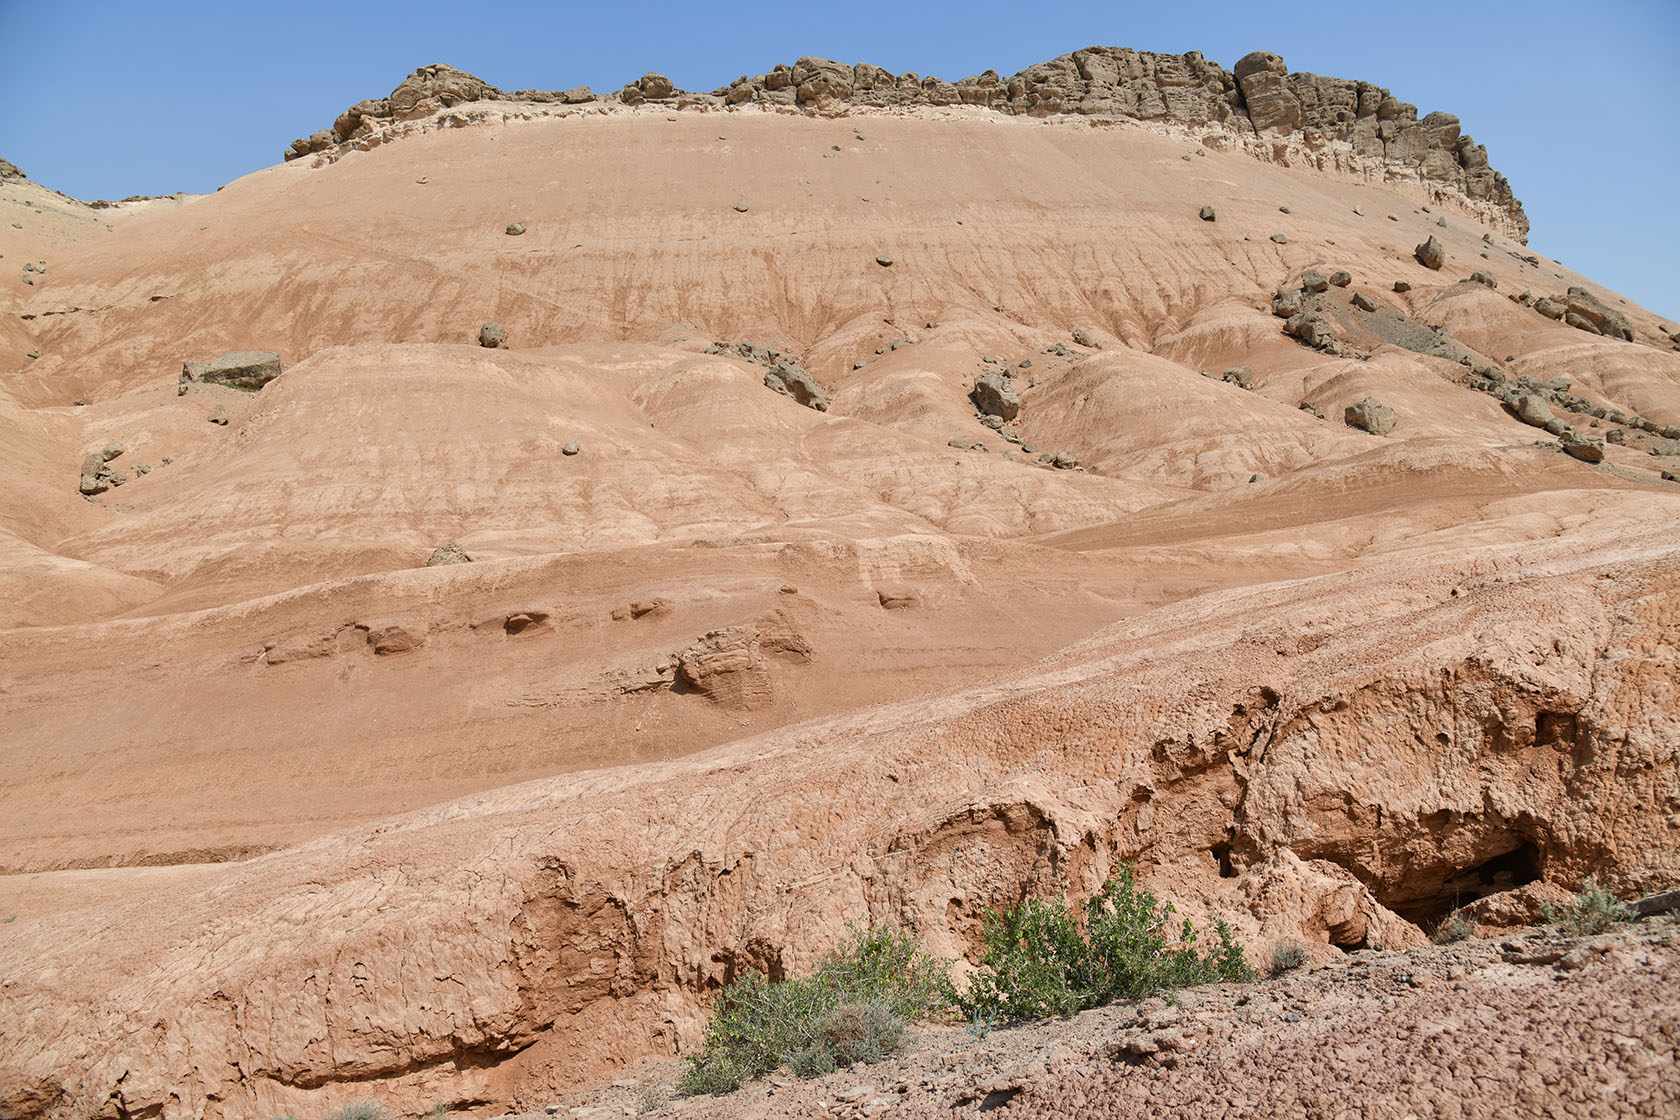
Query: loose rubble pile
[{"x": 786, "y": 376}]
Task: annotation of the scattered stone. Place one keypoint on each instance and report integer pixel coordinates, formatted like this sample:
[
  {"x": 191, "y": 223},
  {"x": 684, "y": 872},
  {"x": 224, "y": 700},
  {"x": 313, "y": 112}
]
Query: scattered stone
[
  {"x": 1280, "y": 239},
  {"x": 1484, "y": 278},
  {"x": 1340, "y": 278},
  {"x": 448, "y": 553},
  {"x": 740, "y": 208},
  {"x": 1442, "y": 222},
  {"x": 570, "y": 447},
  {"x": 1064, "y": 461},
  {"x": 1430, "y": 254},
  {"x": 33, "y": 353},
  {"x": 1311, "y": 409},
  {"x": 959, "y": 444},
  {"x": 1587, "y": 312},
  {"x": 1359, "y": 210},
  {"x": 1314, "y": 281},
  {"x": 1370, "y": 415},
  {"x": 1588, "y": 449},
  {"x": 859, "y": 364},
  {"x": 1024, "y": 363},
  {"x": 1363, "y": 302},
  {"x": 1287, "y": 302},
  {"x": 1207, "y": 214},
  {"x": 884, "y": 261},
  {"x": 492, "y": 336},
  {"x": 514, "y": 229},
  {"x": 219, "y": 417},
  {"x": 994, "y": 395},
  {"x": 1283, "y": 209},
  {"x": 1240, "y": 376},
  {"x": 1551, "y": 307},
  {"x": 1083, "y": 337},
  {"x": 1402, "y": 286}
]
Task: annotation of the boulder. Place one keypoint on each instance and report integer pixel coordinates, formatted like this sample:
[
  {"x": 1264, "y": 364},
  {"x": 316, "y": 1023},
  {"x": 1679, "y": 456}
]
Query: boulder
[
  {"x": 792, "y": 381},
  {"x": 514, "y": 229},
  {"x": 817, "y": 78},
  {"x": 1370, "y": 415},
  {"x": 1083, "y": 337},
  {"x": 1484, "y": 278},
  {"x": 1240, "y": 376},
  {"x": 242, "y": 369},
  {"x": 441, "y": 84},
  {"x": 1207, "y": 214},
  {"x": 1311, "y": 327},
  {"x": 1064, "y": 461},
  {"x": 1584, "y": 306},
  {"x": 1402, "y": 286},
  {"x": 1272, "y": 105},
  {"x": 491, "y": 336},
  {"x": 448, "y": 553},
  {"x": 1287, "y": 302},
  {"x": 93, "y": 466},
  {"x": 1430, "y": 254},
  {"x": 1280, "y": 239},
  {"x": 1551, "y": 307},
  {"x": 1314, "y": 281},
  {"x": 655, "y": 87},
  {"x": 994, "y": 395},
  {"x": 1340, "y": 278},
  {"x": 1363, "y": 302},
  {"x": 1588, "y": 449},
  {"x": 570, "y": 447},
  {"x": 350, "y": 121},
  {"x": 1531, "y": 408}
]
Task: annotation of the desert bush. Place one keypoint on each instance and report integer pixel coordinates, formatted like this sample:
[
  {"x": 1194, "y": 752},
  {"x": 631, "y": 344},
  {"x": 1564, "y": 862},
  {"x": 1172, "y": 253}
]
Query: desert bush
[
  {"x": 1287, "y": 956},
  {"x": 854, "y": 1008},
  {"x": 357, "y": 1110},
  {"x": 1593, "y": 910},
  {"x": 1452, "y": 928},
  {"x": 1039, "y": 960}
]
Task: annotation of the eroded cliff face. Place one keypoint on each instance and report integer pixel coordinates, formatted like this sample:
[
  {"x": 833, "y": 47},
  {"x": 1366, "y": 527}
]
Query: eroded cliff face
[
  {"x": 1298, "y": 118},
  {"x": 1339, "y": 760}
]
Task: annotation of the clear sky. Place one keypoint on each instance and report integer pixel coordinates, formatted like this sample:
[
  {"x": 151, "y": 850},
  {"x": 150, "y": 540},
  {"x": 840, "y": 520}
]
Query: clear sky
[{"x": 1575, "y": 101}]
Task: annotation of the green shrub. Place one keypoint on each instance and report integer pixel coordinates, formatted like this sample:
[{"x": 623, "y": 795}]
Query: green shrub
[
  {"x": 1038, "y": 961},
  {"x": 1593, "y": 910},
  {"x": 1287, "y": 956},
  {"x": 854, "y": 1008}
]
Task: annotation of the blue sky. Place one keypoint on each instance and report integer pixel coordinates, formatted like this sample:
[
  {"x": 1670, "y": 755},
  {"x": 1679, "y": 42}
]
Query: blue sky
[{"x": 1574, "y": 101}]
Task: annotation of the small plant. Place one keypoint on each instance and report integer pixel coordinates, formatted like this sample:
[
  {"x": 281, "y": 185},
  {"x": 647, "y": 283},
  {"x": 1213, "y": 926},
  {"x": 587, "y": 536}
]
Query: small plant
[
  {"x": 358, "y": 1110},
  {"x": 854, "y": 1008},
  {"x": 1287, "y": 956},
  {"x": 1593, "y": 910},
  {"x": 1040, "y": 960},
  {"x": 980, "y": 1023},
  {"x": 1453, "y": 928}
]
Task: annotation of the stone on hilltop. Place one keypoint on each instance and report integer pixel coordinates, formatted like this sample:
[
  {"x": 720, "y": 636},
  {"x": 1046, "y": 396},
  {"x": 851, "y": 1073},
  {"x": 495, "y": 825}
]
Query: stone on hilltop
[{"x": 492, "y": 336}]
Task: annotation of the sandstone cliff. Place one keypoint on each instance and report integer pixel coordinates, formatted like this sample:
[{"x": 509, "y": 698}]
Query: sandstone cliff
[{"x": 1366, "y": 126}]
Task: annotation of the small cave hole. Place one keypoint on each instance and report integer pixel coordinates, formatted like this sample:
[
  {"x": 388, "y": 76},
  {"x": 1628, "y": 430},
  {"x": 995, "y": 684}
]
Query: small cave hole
[
  {"x": 1221, "y": 854},
  {"x": 1556, "y": 729},
  {"x": 1515, "y": 867}
]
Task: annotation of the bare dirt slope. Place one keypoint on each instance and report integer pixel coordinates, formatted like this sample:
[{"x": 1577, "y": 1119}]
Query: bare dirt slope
[{"x": 285, "y": 814}]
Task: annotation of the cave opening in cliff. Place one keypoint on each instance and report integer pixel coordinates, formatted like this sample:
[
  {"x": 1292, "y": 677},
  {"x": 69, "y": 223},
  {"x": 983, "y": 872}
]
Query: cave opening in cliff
[{"x": 1515, "y": 866}]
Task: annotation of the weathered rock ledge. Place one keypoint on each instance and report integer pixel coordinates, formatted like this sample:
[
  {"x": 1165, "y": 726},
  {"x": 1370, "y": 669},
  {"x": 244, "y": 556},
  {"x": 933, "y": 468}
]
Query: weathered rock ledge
[{"x": 1337, "y": 123}]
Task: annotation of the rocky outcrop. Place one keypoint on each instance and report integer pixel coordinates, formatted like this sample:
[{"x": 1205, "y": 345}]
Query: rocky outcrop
[
  {"x": 1585, "y": 311},
  {"x": 1258, "y": 99},
  {"x": 9, "y": 170},
  {"x": 792, "y": 381},
  {"x": 238, "y": 369},
  {"x": 1329, "y": 760}
]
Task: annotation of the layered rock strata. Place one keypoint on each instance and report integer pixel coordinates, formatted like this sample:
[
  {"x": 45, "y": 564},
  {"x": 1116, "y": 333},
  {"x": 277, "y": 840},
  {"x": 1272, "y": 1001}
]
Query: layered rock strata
[{"x": 1339, "y": 122}]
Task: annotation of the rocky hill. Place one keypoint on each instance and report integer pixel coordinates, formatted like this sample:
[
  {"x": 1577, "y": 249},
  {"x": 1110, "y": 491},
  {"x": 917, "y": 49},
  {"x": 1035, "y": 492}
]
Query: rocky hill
[
  {"x": 1344, "y": 123},
  {"x": 469, "y": 594}
]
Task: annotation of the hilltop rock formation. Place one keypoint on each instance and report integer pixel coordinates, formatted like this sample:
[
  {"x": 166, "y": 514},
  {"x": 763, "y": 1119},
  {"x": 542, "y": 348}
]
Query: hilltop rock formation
[{"x": 1257, "y": 98}]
